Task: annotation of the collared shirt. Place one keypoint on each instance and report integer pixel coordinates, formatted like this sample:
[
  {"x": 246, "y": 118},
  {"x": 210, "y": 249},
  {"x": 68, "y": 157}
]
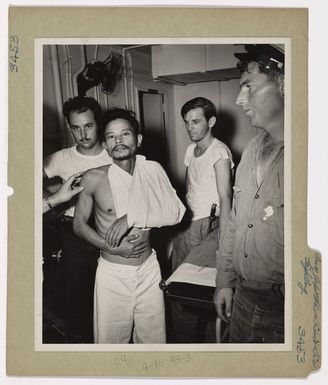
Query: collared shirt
[{"x": 253, "y": 241}]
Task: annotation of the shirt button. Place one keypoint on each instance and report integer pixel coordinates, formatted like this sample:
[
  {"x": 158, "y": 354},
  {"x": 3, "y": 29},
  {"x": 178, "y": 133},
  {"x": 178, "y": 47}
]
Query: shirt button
[
  {"x": 257, "y": 196},
  {"x": 250, "y": 225},
  {"x": 245, "y": 255}
]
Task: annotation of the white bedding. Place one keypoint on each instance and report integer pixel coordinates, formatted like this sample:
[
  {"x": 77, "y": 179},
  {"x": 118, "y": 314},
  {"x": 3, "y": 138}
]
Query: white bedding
[{"x": 197, "y": 275}]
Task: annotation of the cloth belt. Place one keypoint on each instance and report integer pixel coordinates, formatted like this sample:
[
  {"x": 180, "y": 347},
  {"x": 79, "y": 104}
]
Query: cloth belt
[{"x": 260, "y": 286}]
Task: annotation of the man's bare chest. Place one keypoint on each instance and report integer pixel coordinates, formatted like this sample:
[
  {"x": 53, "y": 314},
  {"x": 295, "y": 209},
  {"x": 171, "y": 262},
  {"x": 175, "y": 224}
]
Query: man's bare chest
[{"x": 103, "y": 197}]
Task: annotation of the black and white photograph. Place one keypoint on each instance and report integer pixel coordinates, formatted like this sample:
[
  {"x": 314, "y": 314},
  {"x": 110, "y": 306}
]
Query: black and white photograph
[
  {"x": 162, "y": 185},
  {"x": 186, "y": 243}
]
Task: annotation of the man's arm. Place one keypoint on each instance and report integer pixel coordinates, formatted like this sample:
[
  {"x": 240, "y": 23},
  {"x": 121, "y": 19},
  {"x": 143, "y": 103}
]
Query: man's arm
[
  {"x": 225, "y": 278},
  {"x": 186, "y": 181},
  {"x": 83, "y": 210},
  {"x": 155, "y": 203},
  {"x": 51, "y": 165},
  {"x": 65, "y": 193},
  {"x": 223, "y": 184},
  {"x": 225, "y": 275},
  {"x": 50, "y": 172},
  {"x": 129, "y": 247}
]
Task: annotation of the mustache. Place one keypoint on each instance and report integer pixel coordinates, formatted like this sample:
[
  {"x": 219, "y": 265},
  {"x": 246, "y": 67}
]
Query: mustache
[{"x": 120, "y": 146}]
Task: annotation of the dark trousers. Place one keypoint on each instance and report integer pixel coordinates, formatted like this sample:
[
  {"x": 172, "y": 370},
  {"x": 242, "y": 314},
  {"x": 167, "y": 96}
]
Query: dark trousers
[
  {"x": 79, "y": 261},
  {"x": 257, "y": 313}
]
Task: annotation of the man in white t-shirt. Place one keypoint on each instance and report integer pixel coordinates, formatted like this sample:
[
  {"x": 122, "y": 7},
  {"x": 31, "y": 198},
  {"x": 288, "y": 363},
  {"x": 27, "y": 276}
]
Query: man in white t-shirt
[
  {"x": 208, "y": 185},
  {"x": 79, "y": 259}
]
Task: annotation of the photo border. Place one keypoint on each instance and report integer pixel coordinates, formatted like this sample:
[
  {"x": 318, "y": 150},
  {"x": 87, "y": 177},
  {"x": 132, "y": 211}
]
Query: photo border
[
  {"x": 39, "y": 346},
  {"x": 187, "y": 22}
]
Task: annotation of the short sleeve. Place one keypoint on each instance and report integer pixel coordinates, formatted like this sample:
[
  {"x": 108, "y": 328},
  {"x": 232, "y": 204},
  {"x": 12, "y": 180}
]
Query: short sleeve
[
  {"x": 220, "y": 151},
  {"x": 188, "y": 154},
  {"x": 51, "y": 164}
]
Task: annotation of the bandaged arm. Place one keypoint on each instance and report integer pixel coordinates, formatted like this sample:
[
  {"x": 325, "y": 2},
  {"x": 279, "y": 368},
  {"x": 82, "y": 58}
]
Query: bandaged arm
[{"x": 153, "y": 201}]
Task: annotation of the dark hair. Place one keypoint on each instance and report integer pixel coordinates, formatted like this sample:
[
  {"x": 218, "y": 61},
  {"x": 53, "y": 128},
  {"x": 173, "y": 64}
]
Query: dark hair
[
  {"x": 120, "y": 113},
  {"x": 81, "y": 104},
  {"x": 206, "y": 105}
]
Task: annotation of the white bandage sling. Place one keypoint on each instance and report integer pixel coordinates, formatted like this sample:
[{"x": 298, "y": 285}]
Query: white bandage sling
[{"x": 147, "y": 196}]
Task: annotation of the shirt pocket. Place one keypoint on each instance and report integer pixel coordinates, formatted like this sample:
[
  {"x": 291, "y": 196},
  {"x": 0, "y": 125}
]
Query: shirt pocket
[{"x": 278, "y": 201}]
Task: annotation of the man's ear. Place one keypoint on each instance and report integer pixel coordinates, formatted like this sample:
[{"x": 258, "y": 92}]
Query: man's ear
[
  {"x": 212, "y": 121},
  {"x": 104, "y": 145},
  {"x": 67, "y": 124},
  {"x": 281, "y": 85},
  {"x": 70, "y": 132},
  {"x": 139, "y": 140}
]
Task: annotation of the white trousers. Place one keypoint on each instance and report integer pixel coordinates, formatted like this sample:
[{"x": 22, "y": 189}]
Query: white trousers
[{"x": 128, "y": 298}]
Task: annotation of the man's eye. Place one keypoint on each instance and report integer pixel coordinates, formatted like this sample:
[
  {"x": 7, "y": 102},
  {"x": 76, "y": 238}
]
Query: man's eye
[
  {"x": 75, "y": 128},
  {"x": 126, "y": 133}
]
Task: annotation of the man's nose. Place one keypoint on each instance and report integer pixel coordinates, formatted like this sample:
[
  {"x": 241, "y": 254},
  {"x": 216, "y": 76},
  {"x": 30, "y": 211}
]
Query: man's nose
[
  {"x": 118, "y": 138},
  {"x": 240, "y": 98},
  {"x": 82, "y": 132}
]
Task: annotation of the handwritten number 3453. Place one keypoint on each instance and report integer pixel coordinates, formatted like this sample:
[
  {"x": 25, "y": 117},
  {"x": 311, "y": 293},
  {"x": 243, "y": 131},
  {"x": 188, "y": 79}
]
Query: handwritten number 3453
[{"x": 13, "y": 54}]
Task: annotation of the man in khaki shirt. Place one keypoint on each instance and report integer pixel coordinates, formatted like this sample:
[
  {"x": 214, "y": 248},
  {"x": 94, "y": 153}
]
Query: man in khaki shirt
[{"x": 250, "y": 258}]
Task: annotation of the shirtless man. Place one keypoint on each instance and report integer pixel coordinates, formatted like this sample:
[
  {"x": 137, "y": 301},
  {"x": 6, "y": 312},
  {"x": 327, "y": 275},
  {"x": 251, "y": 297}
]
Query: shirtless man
[{"x": 127, "y": 293}]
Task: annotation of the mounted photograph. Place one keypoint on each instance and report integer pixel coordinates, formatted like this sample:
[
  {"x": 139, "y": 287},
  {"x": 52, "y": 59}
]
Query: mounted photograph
[
  {"x": 158, "y": 226},
  {"x": 161, "y": 179}
]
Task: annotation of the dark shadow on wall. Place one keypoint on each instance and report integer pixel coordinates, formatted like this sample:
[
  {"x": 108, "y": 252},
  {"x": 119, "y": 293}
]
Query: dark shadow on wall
[
  {"x": 52, "y": 140},
  {"x": 154, "y": 147},
  {"x": 225, "y": 130}
]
